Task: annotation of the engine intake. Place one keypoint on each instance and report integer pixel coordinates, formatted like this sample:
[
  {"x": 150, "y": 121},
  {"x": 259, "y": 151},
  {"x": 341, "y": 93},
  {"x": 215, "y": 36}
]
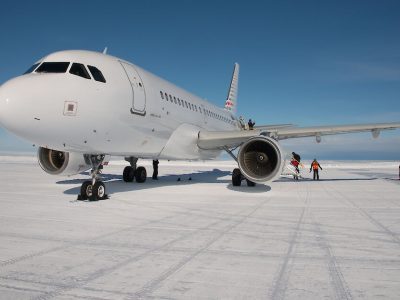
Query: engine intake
[
  {"x": 57, "y": 162},
  {"x": 260, "y": 159}
]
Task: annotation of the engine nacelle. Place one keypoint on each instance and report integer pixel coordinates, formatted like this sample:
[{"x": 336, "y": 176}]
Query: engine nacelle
[
  {"x": 260, "y": 159},
  {"x": 61, "y": 163}
]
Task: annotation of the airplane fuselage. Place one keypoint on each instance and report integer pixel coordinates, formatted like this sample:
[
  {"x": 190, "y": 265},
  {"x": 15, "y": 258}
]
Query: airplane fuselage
[{"x": 132, "y": 113}]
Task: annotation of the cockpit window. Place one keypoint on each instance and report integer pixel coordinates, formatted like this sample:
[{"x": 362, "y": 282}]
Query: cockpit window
[
  {"x": 31, "y": 69},
  {"x": 96, "y": 73},
  {"x": 53, "y": 67},
  {"x": 79, "y": 70}
]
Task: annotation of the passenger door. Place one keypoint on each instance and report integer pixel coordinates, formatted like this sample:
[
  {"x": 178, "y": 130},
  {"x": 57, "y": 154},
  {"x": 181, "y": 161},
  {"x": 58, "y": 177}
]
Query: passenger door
[{"x": 138, "y": 91}]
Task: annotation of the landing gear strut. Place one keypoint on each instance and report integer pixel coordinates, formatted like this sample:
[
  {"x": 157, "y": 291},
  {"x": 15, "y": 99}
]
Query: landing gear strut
[
  {"x": 93, "y": 189},
  {"x": 133, "y": 172}
]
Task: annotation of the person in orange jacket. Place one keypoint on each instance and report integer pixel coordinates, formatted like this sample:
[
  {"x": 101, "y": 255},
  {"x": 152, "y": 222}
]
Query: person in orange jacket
[{"x": 314, "y": 166}]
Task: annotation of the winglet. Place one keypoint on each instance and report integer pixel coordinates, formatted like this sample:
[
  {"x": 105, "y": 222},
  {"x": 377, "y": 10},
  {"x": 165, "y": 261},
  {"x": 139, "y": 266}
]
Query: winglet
[
  {"x": 231, "y": 99},
  {"x": 105, "y": 50}
]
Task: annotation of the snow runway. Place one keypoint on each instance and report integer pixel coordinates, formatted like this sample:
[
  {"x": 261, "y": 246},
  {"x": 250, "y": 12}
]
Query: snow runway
[{"x": 200, "y": 238}]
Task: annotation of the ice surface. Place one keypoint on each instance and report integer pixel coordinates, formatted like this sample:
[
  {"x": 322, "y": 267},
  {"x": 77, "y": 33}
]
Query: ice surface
[{"x": 338, "y": 238}]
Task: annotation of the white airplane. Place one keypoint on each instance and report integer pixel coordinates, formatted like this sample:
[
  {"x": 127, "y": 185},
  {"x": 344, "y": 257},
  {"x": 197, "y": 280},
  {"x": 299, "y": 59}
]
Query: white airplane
[{"x": 80, "y": 107}]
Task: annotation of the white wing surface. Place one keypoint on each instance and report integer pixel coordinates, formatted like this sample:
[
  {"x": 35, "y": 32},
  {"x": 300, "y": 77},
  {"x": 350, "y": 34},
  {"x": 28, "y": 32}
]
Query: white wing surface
[{"x": 229, "y": 139}]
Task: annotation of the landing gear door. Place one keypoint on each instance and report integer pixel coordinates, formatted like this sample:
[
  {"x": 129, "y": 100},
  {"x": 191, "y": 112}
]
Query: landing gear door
[{"x": 138, "y": 92}]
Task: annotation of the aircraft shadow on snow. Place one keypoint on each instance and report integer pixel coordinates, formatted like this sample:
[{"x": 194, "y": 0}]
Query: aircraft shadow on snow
[{"x": 115, "y": 184}]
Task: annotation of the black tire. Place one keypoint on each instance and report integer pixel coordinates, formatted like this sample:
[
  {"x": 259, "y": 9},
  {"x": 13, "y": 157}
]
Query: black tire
[
  {"x": 250, "y": 183},
  {"x": 236, "y": 177},
  {"x": 98, "y": 191},
  {"x": 129, "y": 174},
  {"x": 140, "y": 174},
  {"x": 86, "y": 190}
]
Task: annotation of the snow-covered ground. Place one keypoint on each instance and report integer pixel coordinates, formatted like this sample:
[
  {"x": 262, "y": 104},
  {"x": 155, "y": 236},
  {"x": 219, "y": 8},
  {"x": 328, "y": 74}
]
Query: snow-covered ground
[{"x": 338, "y": 238}]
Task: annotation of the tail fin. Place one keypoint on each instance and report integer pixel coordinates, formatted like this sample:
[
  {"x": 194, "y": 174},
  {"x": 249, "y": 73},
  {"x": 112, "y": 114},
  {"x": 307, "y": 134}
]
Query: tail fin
[{"x": 231, "y": 100}]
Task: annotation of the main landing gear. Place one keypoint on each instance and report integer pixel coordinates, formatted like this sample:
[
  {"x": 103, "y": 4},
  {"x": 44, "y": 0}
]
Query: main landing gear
[
  {"x": 237, "y": 178},
  {"x": 94, "y": 189},
  {"x": 133, "y": 172},
  {"x": 237, "y": 175}
]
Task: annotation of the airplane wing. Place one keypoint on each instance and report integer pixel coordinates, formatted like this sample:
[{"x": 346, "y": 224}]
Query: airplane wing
[
  {"x": 271, "y": 127},
  {"x": 230, "y": 139}
]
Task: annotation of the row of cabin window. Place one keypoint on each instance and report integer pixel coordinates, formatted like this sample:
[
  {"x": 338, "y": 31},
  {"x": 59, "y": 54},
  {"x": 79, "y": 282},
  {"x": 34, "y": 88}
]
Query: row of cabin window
[{"x": 193, "y": 107}]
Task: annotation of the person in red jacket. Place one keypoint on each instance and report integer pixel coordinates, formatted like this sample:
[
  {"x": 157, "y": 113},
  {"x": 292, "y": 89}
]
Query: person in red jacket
[
  {"x": 314, "y": 166},
  {"x": 295, "y": 161}
]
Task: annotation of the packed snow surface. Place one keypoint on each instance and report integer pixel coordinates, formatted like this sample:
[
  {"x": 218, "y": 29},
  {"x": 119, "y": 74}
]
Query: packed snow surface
[{"x": 337, "y": 238}]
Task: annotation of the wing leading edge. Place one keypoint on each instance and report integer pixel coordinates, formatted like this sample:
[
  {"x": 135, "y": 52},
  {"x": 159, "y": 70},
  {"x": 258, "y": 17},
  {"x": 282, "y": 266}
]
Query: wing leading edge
[{"x": 228, "y": 139}]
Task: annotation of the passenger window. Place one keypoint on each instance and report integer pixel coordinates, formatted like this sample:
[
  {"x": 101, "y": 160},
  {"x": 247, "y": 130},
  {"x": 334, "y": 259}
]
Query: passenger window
[
  {"x": 53, "y": 67},
  {"x": 162, "y": 95},
  {"x": 166, "y": 96},
  {"x": 170, "y": 98},
  {"x": 179, "y": 102},
  {"x": 175, "y": 99},
  {"x": 96, "y": 73},
  {"x": 31, "y": 69},
  {"x": 79, "y": 70}
]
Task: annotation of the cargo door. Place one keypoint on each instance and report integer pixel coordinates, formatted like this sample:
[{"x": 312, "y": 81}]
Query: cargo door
[{"x": 138, "y": 91}]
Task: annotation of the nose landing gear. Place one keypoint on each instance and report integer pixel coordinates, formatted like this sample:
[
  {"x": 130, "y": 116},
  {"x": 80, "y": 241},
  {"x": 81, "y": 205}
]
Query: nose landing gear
[{"x": 94, "y": 189}]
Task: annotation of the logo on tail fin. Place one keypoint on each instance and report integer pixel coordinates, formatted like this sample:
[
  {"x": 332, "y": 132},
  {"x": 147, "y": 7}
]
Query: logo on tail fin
[{"x": 230, "y": 103}]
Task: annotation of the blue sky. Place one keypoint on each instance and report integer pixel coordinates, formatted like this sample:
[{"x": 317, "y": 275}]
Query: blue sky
[{"x": 302, "y": 62}]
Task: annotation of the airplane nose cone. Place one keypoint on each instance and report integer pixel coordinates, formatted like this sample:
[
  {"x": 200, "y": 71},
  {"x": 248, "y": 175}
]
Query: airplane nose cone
[
  {"x": 7, "y": 102},
  {"x": 4, "y": 100},
  {"x": 14, "y": 108}
]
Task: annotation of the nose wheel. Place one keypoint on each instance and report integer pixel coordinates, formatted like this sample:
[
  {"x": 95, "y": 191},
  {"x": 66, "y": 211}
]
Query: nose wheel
[{"x": 94, "y": 189}]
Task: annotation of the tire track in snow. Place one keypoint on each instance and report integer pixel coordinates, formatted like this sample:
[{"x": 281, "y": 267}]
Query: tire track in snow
[
  {"x": 339, "y": 284},
  {"x": 395, "y": 237},
  {"x": 67, "y": 244},
  {"x": 282, "y": 278},
  {"x": 152, "y": 285},
  {"x": 101, "y": 272}
]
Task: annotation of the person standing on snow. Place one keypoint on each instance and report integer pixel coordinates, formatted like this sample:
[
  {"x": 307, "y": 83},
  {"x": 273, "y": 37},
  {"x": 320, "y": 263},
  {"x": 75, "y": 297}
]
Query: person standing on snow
[
  {"x": 251, "y": 124},
  {"x": 155, "y": 169},
  {"x": 295, "y": 161},
  {"x": 314, "y": 166}
]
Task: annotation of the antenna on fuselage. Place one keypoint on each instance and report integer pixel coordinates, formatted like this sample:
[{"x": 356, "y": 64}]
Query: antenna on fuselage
[{"x": 105, "y": 50}]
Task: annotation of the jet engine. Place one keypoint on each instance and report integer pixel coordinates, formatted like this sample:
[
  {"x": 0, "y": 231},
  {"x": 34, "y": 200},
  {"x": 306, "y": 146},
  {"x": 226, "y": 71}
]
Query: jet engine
[
  {"x": 260, "y": 159},
  {"x": 57, "y": 162}
]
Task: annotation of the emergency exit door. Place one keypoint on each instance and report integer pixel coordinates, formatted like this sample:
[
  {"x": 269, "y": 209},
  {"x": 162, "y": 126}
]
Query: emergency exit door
[{"x": 138, "y": 92}]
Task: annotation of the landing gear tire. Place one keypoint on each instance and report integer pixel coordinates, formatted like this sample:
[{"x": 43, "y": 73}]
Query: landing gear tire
[
  {"x": 250, "y": 183},
  {"x": 140, "y": 174},
  {"x": 129, "y": 174},
  {"x": 236, "y": 177},
  {"x": 98, "y": 191},
  {"x": 86, "y": 190}
]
